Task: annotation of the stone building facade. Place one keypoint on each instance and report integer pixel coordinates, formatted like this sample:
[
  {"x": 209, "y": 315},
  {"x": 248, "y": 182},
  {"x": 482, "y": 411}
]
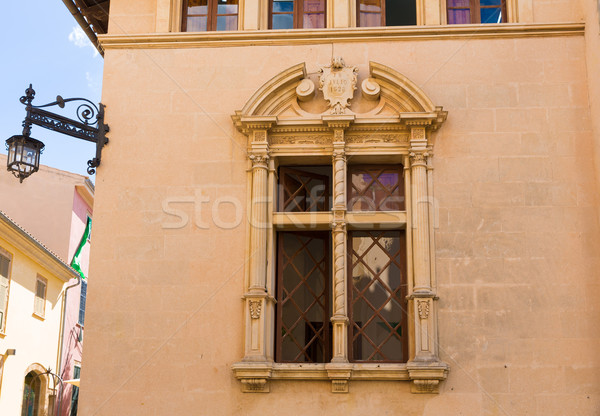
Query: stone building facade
[{"x": 342, "y": 220}]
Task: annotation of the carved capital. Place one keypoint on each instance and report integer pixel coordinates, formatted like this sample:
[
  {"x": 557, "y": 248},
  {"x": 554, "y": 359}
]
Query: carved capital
[
  {"x": 255, "y": 308},
  {"x": 259, "y": 160},
  {"x": 338, "y": 226},
  {"x": 418, "y": 158},
  {"x": 339, "y": 155}
]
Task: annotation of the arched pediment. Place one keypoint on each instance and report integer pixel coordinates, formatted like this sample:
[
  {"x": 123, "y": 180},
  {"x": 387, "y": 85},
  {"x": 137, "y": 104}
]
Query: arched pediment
[
  {"x": 275, "y": 93},
  {"x": 401, "y": 91},
  {"x": 384, "y": 95}
]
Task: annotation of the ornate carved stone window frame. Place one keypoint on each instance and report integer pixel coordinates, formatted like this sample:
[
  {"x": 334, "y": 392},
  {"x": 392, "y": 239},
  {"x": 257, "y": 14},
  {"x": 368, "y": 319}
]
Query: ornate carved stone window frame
[{"x": 397, "y": 128}]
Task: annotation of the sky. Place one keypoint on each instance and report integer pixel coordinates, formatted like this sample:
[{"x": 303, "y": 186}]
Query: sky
[{"x": 42, "y": 44}]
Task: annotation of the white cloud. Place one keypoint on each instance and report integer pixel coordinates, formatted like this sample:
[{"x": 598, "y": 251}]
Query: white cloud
[
  {"x": 93, "y": 83},
  {"x": 80, "y": 39}
]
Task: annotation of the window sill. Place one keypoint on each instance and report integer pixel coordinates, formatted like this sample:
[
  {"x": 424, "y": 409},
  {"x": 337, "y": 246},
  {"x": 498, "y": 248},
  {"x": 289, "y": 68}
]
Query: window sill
[
  {"x": 424, "y": 377},
  {"x": 40, "y": 317},
  {"x": 356, "y": 220}
]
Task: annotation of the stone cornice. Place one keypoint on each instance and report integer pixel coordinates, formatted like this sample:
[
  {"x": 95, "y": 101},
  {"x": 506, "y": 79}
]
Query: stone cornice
[{"x": 312, "y": 36}]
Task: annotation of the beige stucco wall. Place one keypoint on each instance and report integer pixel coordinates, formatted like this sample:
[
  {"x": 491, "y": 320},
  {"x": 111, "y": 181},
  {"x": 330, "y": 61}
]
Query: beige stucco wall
[{"x": 517, "y": 233}]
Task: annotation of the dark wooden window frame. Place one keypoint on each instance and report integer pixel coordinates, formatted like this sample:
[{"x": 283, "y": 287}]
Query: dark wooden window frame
[
  {"x": 298, "y": 13},
  {"x": 211, "y": 15},
  {"x": 401, "y": 298},
  {"x": 475, "y": 10},
  {"x": 325, "y": 325}
]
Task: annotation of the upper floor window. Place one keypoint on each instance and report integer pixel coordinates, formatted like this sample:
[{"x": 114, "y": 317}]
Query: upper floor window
[
  {"x": 297, "y": 14},
  {"x": 476, "y": 11},
  {"x": 4, "y": 285},
  {"x": 39, "y": 304},
  {"x": 82, "y": 297},
  {"x": 209, "y": 15},
  {"x": 386, "y": 13}
]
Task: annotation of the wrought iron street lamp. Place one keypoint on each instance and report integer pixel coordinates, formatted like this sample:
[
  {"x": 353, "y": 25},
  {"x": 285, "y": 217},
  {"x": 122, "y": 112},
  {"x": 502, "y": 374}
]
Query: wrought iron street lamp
[{"x": 24, "y": 151}]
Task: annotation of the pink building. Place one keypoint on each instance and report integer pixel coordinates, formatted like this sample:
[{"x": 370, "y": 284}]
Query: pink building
[{"x": 54, "y": 206}]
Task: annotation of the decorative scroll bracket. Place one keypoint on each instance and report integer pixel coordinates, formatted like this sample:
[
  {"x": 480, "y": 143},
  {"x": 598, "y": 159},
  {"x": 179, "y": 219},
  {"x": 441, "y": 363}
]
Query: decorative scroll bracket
[{"x": 90, "y": 126}]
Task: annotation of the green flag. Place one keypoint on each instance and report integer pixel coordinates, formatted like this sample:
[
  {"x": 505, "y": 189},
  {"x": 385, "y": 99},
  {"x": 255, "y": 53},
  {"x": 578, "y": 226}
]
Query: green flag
[{"x": 76, "y": 262}]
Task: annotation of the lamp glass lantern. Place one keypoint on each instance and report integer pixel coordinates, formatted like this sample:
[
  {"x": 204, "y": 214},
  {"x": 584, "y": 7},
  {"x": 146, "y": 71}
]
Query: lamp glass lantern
[{"x": 23, "y": 155}]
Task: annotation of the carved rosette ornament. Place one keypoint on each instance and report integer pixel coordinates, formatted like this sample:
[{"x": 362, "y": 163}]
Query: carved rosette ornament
[
  {"x": 255, "y": 308},
  {"x": 423, "y": 307},
  {"x": 338, "y": 83}
]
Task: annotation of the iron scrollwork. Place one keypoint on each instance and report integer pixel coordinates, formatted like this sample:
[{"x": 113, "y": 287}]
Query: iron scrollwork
[{"x": 90, "y": 126}]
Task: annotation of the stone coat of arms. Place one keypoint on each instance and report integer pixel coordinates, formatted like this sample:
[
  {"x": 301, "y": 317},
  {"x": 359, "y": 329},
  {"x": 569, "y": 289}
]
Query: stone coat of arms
[{"x": 338, "y": 83}]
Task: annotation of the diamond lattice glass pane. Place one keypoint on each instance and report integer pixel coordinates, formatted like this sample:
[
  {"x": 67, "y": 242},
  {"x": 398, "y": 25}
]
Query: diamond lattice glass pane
[
  {"x": 304, "y": 188},
  {"x": 302, "y": 302},
  {"x": 376, "y": 188},
  {"x": 378, "y": 296}
]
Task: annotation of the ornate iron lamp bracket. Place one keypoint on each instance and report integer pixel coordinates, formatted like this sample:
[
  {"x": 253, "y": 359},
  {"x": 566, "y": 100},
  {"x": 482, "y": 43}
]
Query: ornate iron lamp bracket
[{"x": 90, "y": 126}]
